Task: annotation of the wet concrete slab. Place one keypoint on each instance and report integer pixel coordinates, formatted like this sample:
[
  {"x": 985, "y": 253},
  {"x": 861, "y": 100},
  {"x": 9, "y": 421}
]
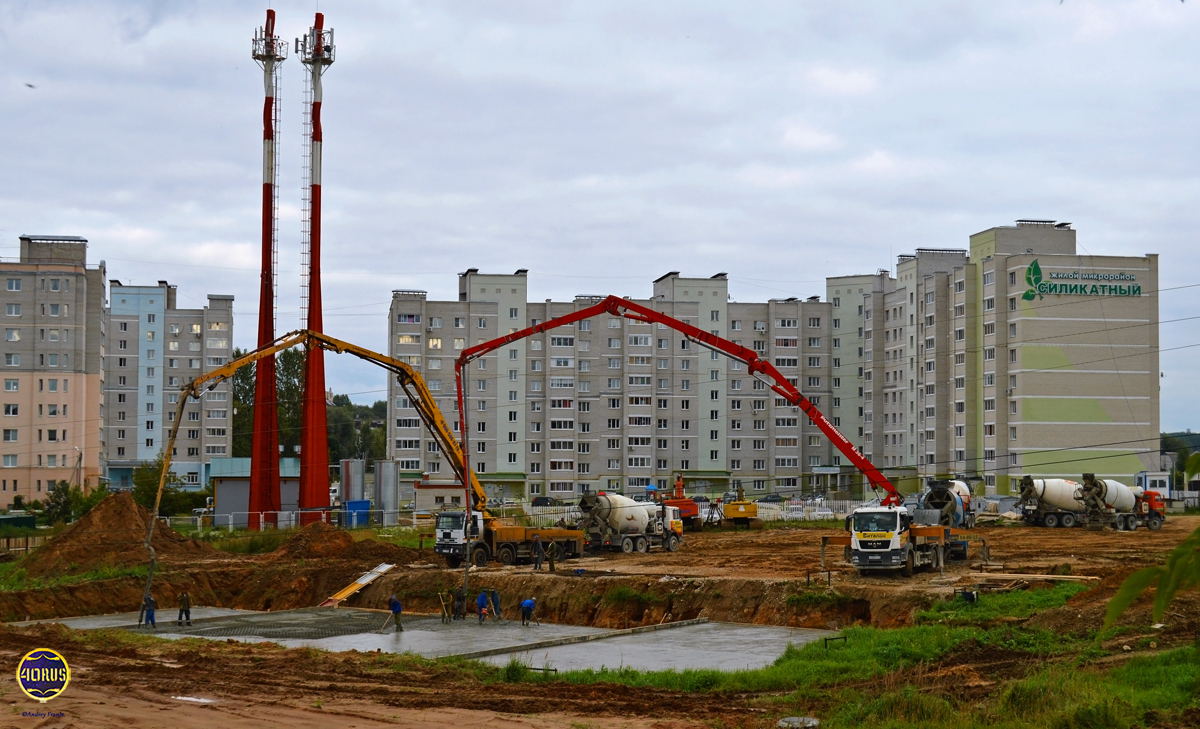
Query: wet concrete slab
[
  {"x": 723, "y": 646},
  {"x": 164, "y": 618}
]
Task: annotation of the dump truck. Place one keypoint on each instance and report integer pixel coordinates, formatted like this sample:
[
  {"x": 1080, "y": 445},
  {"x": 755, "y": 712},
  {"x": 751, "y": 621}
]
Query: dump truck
[
  {"x": 1091, "y": 502},
  {"x": 617, "y": 523}
]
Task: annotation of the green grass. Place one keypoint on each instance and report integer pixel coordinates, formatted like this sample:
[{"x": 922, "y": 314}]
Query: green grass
[
  {"x": 13, "y": 577},
  {"x": 626, "y": 595},
  {"x": 816, "y": 598},
  {"x": 868, "y": 653},
  {"x": 992, "y": 607}
]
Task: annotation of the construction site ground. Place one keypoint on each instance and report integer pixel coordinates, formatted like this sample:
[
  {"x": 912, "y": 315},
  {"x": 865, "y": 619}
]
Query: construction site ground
[{"x": 765, "y": 577}]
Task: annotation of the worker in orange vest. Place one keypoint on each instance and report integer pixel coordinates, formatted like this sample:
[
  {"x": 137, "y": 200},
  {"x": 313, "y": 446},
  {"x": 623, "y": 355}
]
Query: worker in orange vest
[{"x": 679, "y": 485}]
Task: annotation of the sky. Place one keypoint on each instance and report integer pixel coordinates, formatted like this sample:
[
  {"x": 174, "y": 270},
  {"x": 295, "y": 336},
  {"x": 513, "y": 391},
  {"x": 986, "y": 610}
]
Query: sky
[{"x": 602, "y": 144}]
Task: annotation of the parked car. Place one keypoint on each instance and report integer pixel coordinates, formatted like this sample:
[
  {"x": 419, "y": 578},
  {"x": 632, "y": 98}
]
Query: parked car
[
  {"x": 544, "y": 501},
  {"x": 700, "y": 499},
  {"x": 822, "y": 513},
  {"x": 771, "y": 499}
]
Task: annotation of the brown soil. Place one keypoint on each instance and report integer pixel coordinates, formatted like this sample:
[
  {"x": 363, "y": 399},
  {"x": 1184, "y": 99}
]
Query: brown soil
[
  {"x": 315, "y": 541},
  {"x": 113, "y": 533},
  {"x": 754, "y": 577},
  {"x": 373, "y": 550},
  {"x": 265, "y": 685}
]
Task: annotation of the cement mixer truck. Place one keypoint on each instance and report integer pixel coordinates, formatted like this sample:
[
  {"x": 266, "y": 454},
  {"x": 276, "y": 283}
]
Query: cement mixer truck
[
  {"x": 615, "y": 522},
  {"x": 1096, "y": 503}
]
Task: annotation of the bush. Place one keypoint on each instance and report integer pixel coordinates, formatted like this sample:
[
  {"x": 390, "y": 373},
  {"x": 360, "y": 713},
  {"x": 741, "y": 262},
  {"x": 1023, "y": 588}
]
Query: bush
[{"x": 515, "y": 671}]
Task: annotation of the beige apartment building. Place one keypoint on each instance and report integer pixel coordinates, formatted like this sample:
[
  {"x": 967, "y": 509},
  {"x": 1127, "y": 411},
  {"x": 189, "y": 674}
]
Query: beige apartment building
[
  {"x": 1017, "y": 356},
  {"x": 53, "y": 345},
  {"x": 610, "y": 403}
]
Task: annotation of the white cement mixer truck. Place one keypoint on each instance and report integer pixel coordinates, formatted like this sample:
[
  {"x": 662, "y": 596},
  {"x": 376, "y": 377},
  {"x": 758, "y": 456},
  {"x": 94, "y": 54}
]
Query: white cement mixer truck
[
  {"x": 614, "y": 522},
  {"x": 1053, "y": 502}
]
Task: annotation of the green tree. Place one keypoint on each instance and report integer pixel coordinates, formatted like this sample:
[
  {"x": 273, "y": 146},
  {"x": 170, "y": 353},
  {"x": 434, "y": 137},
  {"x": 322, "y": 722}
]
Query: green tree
[
  {"x": 145, "y": 485},
  {"x": 342, "y": 433},
  {"x": 289, "y": 382},
  {"x": 58, "y": 503},
  {"x": 81, "y": 504},
  {"x": 243, "y": 408}
]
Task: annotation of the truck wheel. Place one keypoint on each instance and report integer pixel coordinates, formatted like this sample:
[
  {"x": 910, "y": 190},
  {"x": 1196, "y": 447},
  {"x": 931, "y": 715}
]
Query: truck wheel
[
  {"x": 453, "y": 561},
  {"x": 627, "y": 545},
  {"x": 507, "y": 554},
  {"x": 1154, "y": 523},
  {"x": 642, "y": 545},
  {"x": 1131, "y": 522},
  {"x": 909, "y": 565},
  {"x": 1050, "y": 520},
  {"x": 1068, "y": 520},
  {"x": 846, "y": 553},
  {"x": 479, "y": 556},
  {"x": 672, "y": 543}
]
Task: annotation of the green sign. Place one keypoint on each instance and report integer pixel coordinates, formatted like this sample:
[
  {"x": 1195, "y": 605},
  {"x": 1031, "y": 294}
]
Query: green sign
[{"x": 1074, "y": 284}]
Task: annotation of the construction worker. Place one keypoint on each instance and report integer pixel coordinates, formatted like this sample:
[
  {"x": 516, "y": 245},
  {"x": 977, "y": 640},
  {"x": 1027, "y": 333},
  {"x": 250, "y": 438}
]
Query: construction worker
[
  {"x": 495, "y": 602},
  {"x": 481, "y": 605},
  {"x": 460, "y": 603},
  {"x": 679, "y": 485},
  {"x": 185, "y": 608},
  {"x": 527, "y": 607},
  {"x": 150, "y": 605},
  {"x": 538, "y": 553},
  {"x": 396, "y": 608}
]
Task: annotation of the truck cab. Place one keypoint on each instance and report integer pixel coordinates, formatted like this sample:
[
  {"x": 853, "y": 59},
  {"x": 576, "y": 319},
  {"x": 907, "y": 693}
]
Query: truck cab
[
  {"x": 449, "y": 536},
  {"x": 876, "y": 541}
]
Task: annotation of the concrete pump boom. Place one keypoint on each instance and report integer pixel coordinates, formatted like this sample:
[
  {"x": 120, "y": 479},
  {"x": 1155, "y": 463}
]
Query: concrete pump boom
[
  {"x": 410, "y": 381},
  {"x": 754, "y": 364}
]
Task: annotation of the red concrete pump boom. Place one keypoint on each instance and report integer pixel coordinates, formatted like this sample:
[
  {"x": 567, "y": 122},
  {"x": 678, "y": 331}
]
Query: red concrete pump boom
[{"x": 754, "y": 364}]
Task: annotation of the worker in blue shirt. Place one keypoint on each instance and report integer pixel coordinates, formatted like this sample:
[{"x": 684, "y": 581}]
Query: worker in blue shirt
[
  {"x": 527, "y": 607},
  {"x": 396, "y": 608},
  {"x": 481, "y": 604}
]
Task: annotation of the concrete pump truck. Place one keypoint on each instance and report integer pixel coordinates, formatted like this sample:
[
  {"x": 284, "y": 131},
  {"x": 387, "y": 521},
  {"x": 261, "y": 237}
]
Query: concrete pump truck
[{"x": 883, "y": 537}]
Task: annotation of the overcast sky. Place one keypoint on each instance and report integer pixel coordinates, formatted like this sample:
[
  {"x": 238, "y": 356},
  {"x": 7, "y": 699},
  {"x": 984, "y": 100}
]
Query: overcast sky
[{"x": 601, "y": 144}]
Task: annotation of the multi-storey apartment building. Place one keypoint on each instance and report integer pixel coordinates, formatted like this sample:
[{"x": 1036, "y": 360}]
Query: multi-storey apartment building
[
  {"x": 618, "y": 404},
  {"x": 153, "y": 349},
  {"x": 53, "y": 344},
  {"x": 1018, "y": 357}
]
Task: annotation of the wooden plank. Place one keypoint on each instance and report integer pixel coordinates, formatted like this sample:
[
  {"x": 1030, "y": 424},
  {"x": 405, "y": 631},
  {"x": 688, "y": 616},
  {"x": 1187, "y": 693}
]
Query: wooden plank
[{"x": 1048, "y": 578}]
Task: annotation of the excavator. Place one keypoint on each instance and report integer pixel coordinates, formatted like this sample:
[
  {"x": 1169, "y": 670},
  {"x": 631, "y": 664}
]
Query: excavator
[{"x": 882, "y": 537}]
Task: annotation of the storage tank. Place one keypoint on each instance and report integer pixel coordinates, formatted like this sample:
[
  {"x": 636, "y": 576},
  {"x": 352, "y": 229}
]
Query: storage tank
[
  {"x": 951, "y": 498},
  {"x": 624, "y": 515},
  {"x": 1112, "y": 494},
  {"x": 1053, "y": 493}
]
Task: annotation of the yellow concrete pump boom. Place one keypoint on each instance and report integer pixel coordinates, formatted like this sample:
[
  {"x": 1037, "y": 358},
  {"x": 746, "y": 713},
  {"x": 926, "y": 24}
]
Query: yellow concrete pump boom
[{"x": 410, "y": 380}]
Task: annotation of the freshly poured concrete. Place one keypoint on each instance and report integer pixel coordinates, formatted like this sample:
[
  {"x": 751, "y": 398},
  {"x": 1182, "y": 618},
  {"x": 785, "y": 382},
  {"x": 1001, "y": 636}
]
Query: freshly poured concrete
[
  {"x": 165, "y": 617},
  {"x": 724, "y": 646}
]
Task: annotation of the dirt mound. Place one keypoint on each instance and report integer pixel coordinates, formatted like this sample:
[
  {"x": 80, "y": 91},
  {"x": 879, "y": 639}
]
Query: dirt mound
[
  {"x": 315, "y": 541},
  {"x": 375, "y": 551},
  {"x": 1087, "y": 610},
  {"x": 112, "y": 533}
]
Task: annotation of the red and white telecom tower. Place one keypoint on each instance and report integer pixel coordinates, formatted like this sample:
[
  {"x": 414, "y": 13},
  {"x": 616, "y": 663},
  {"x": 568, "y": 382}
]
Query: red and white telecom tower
[
  {"x": 269, "y": 51},
  {"x": 316, "y": 51}
]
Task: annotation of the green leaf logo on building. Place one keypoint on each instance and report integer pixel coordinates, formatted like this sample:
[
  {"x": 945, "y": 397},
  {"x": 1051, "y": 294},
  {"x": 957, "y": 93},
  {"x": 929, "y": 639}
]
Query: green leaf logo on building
[{"x": 1033, "y": 277}]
